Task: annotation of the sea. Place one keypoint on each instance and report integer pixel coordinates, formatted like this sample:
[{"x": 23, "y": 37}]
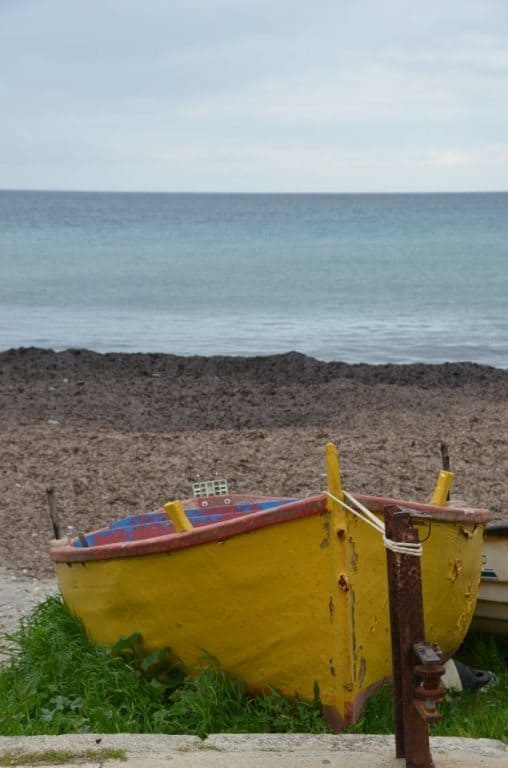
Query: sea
[{"x": 371, "y": 278}]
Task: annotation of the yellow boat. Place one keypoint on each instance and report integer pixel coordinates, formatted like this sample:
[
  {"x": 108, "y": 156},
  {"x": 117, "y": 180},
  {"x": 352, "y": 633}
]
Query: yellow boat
[{"x": 281, "y": 592}]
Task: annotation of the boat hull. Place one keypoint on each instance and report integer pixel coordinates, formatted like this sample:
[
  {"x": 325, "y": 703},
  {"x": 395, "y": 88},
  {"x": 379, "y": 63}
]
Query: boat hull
[
  {"x": 288, "y": 598},
  {"x": 491, "y": 614}
]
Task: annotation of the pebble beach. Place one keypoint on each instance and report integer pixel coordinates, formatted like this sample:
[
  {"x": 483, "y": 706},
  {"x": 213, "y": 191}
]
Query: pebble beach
[{"x": 117, "y": 434}]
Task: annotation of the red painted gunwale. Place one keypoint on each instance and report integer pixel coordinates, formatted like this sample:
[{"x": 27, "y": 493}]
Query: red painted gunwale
[
  {"x": 446, "y": 514},
  {"x": 220, "y": 531}
]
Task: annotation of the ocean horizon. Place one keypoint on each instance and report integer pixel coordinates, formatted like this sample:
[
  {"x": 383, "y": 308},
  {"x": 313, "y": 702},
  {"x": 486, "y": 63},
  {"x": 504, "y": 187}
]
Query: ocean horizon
[{"x": 360, "y": 278}]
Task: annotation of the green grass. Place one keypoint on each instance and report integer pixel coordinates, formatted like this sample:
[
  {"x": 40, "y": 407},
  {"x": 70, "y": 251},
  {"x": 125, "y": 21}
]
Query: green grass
[
  {"x": 475, "y": 715},
  {"x": 57, "y": 681},
  {"x": 217, "y": 703}
]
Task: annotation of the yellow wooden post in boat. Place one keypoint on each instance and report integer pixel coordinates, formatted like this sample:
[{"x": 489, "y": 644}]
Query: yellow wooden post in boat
[
  {"x": 333, "y": 475},
  {"x": 443, "y": 484},
  {"x": 342, "y": 598},
  {"x": 176, "y": 513}
]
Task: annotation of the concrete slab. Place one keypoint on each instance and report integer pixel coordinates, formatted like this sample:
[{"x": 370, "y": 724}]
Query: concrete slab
[{"x": 248, "y": 751}]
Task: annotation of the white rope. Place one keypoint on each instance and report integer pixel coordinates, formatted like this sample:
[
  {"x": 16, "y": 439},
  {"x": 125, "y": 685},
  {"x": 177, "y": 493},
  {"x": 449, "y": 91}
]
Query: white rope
[
  {"x": 401, "y": 547},
  {"x": 404, "y": 547}
]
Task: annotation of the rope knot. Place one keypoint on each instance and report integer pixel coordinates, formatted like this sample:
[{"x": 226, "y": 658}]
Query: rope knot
[{"x": 361, "y": 511}]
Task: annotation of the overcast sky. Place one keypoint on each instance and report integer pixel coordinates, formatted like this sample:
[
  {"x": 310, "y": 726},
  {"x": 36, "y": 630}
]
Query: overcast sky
[{"x": 254, "y": 95}]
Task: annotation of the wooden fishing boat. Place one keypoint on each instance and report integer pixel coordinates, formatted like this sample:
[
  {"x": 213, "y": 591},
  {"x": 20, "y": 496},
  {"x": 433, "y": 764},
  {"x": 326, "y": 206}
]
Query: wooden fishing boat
[
  {"x": 491, "y": 613},
  {"x": 280, "y": 591}
]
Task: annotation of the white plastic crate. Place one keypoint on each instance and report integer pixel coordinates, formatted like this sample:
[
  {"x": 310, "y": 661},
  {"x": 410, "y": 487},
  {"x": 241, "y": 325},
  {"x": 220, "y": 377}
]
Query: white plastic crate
[{"x": 210, "y": 488}]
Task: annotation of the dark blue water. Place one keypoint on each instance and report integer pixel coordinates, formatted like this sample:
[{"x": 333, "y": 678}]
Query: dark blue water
[{"x": 371, "y": 278}]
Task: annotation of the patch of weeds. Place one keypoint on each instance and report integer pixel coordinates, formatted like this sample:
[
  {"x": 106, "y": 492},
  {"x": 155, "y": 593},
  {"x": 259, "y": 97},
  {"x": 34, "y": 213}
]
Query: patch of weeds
[
  {"x": 377, "y": 716},
  {"x": 59, "y": 757},
  {"x": 160, "y": 667},
  {"x": 482, "y": 714},
  {"x": 215, "y": 702},
  {"x": 58, "y": 681},
  {"x": 473, "y": 715}
]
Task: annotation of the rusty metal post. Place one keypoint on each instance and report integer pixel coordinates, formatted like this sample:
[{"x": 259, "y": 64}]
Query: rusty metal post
[{"x": 413, "y": 708}]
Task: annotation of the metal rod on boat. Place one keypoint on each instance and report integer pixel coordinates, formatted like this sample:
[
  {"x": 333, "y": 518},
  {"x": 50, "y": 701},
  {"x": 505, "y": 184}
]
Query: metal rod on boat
[
  {"x": 445, "y": 457},
  {"x": 50, "y": 493}
]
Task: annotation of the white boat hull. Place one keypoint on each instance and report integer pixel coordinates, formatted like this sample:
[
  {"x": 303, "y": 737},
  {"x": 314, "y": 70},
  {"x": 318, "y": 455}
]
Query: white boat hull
[{"x": 491, "y": 613}]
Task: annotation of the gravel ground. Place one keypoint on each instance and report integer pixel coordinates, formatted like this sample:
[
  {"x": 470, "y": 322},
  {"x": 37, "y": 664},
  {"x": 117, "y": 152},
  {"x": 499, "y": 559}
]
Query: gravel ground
[
  {"x": 120, "y": 434},
  {"x": 18, "y": 596}
]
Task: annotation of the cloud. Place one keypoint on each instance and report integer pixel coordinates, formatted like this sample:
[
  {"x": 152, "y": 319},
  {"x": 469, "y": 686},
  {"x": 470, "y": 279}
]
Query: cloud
[
  {"x": 449, "y": 158},
  {"x": 200, "y": 94}
]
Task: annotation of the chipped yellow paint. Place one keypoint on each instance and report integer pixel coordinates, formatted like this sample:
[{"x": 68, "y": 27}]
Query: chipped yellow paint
[
  {"x": 467, "y": 532},
  {"x": 176, "y": 513},
  {"x": 456, "y": 568},
  {"x": 275, "y": 606}
]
